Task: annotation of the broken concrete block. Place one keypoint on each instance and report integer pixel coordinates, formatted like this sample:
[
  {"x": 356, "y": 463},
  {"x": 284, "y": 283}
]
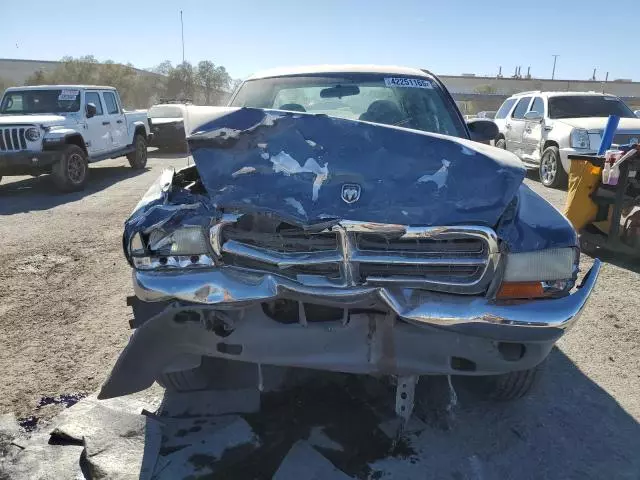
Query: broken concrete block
[
  {"x": 149, "y": 400},
  {"x": 118, "y": 445},
  {"x": 9, "y": 432},
  {"x": 303, "y": 461},
  {"x": 45, "y": 462},
  {"x": 318, "y": 438},
  {"x": 194, "y": 446},
  {"x": 210, "y": 403}
]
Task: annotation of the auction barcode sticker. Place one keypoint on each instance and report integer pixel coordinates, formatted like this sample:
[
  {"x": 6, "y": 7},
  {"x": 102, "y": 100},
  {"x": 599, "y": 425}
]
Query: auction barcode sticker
[
  {"x": 407, "y": 82},
  {"x": 68, "y": 94}
]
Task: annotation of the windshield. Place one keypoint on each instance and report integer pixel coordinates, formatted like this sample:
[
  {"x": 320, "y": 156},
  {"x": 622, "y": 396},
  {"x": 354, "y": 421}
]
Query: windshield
[
  {"x": 582, "y": 106},
  {"x": 165, "y": 111},
  {"x": 19, "y": 102},
  {"x": 416, "y": 103}
]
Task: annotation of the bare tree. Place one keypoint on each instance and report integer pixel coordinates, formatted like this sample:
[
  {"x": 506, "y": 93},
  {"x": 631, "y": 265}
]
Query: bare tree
[
  {"x": 138, "y": 89},
  {"x": 36, "y": 78},
  {"x": 182, "y": 81},
  {"x": 5, "y": 83},
  {"x": 212, "y": 80}
]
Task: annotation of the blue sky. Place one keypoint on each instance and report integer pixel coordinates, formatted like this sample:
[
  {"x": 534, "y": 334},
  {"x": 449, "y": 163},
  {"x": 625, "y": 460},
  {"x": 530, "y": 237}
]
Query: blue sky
[{"x": 447, "y": 37}]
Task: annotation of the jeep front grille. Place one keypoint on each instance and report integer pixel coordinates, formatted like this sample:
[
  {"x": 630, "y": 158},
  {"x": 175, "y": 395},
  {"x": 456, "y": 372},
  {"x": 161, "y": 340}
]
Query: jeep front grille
[
  {"x": 449, "y": 259},
  {"x": 12, "y": 139}
]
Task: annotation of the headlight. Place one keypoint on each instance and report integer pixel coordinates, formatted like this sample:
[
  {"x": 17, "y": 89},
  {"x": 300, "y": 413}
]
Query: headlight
[
  {"x": 32, "y": 134},
  {"x": 580, "y": 138},
  {"x": 184, "y": 247},
  {"x": 542, "y": 273},
  {"x": 184, "y": 241}
]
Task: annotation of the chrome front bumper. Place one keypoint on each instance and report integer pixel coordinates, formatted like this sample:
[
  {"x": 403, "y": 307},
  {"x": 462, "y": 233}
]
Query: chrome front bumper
[
  {"x": 228, "y": 288},
  {"x": 387, "y": 331}
]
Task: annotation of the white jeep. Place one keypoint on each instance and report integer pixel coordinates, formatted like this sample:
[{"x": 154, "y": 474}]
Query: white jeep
[
  {"x": 544, "y": 128},
  {"x": 60, "y": 129}
]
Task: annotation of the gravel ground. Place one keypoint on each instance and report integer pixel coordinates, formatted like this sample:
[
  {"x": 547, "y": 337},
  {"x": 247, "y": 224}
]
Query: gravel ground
[{"x": 63, "y": 283}]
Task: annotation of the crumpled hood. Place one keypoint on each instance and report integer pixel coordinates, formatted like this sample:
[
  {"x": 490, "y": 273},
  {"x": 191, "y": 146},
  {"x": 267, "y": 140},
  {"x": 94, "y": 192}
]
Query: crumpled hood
[
  {"x": 32, "y": 119},
  {"x": 599, "y": 123},
  {"x": 312, "y": 168}
]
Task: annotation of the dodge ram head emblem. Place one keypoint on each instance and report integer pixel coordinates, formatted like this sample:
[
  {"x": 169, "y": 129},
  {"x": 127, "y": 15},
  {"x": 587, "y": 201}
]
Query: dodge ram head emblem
[{"x": 350, "y": 192}]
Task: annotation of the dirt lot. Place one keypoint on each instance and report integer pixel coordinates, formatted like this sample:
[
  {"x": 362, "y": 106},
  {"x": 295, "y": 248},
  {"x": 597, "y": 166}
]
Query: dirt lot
[{"x": 63, "y": 283}]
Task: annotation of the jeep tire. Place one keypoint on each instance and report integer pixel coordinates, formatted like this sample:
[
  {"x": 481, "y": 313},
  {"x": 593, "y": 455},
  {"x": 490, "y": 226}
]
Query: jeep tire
[
  {"x": 71, "y": 172},
  {"x": 552, "y": 172},
  {"x": 138, "y": 158},
  {"x": 500, "y": 143}
]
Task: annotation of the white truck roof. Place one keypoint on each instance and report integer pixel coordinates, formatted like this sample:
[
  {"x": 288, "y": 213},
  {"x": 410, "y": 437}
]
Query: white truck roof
[
  {"x": 560, "y": 93},
  {"x": 58, "y": 87}
]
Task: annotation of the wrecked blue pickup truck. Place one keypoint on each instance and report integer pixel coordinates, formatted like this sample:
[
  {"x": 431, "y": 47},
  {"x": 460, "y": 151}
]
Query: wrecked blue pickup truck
[{"x": 344, "y": 219}]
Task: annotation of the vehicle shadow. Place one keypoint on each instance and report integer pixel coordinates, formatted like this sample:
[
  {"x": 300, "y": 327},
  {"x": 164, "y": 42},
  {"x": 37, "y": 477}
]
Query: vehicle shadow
[
  {"x": 40, "y": 193},
  {"x": 618, "y": 259},
  {"x": 162, "y": 155},
  {"x": 568, "y": 427},
  {"x": 535, "y": 176}
]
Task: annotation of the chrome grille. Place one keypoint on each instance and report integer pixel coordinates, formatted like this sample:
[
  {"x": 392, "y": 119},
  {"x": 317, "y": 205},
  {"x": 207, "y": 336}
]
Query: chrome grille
[
  {"x": 449, "y": 259},
  {"x": 12, "y": 139}
]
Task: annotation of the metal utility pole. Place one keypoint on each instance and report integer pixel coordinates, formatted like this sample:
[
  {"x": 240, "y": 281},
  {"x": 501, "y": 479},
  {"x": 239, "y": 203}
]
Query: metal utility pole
[
  {"x": 182, "y": 26},
  {"x": 553, "y": 73}
]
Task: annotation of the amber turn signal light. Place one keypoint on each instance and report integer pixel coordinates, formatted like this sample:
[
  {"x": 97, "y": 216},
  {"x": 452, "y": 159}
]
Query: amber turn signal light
[{"x": 512, "y": 290}]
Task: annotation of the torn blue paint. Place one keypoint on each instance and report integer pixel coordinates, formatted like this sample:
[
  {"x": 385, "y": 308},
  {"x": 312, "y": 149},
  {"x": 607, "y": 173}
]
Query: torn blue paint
[
  {"x": 531, "y": 224},
  {"x": 405, "y": 176}
]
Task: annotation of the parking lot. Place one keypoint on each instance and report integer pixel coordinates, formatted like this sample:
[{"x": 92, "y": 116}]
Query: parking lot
[{"x": 64, "y": 281}]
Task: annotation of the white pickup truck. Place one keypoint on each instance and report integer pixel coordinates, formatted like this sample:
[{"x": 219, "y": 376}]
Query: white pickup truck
[{"x": 60, "y": 129}]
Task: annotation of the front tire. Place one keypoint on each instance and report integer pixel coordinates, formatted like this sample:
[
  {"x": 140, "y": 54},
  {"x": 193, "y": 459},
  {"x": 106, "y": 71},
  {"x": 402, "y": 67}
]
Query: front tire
[
  {"x": 552, "y": 172},
  {"x": 71, "y": 173},
  {"x": 501, "y": 143},
  {"x": 508, "y": 386},
  {"x": 138, "y": 158}
]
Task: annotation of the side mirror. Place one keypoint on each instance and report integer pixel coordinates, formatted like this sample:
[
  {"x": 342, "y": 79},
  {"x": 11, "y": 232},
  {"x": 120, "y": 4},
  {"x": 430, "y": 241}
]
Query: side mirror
[
  {"x": 482, "y": 130},
  {"x": 533, "y": 116},
  {"x": 91, "y": 110}
]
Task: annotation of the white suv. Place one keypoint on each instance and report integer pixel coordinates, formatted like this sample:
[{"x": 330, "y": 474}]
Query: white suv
[{"x": 543, "y": 128}]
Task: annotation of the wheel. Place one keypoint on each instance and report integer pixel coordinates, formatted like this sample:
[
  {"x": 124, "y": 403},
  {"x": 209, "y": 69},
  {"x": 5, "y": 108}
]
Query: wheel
[
  {"x": 138, "y": 158},
  {"x": 508, "y": 386},
  {"x": 500, "y": 143},
  {"x": 552, "y": 172},
  {"x": 72, "y": 171},
  {"x": 211, "y": 372}
]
